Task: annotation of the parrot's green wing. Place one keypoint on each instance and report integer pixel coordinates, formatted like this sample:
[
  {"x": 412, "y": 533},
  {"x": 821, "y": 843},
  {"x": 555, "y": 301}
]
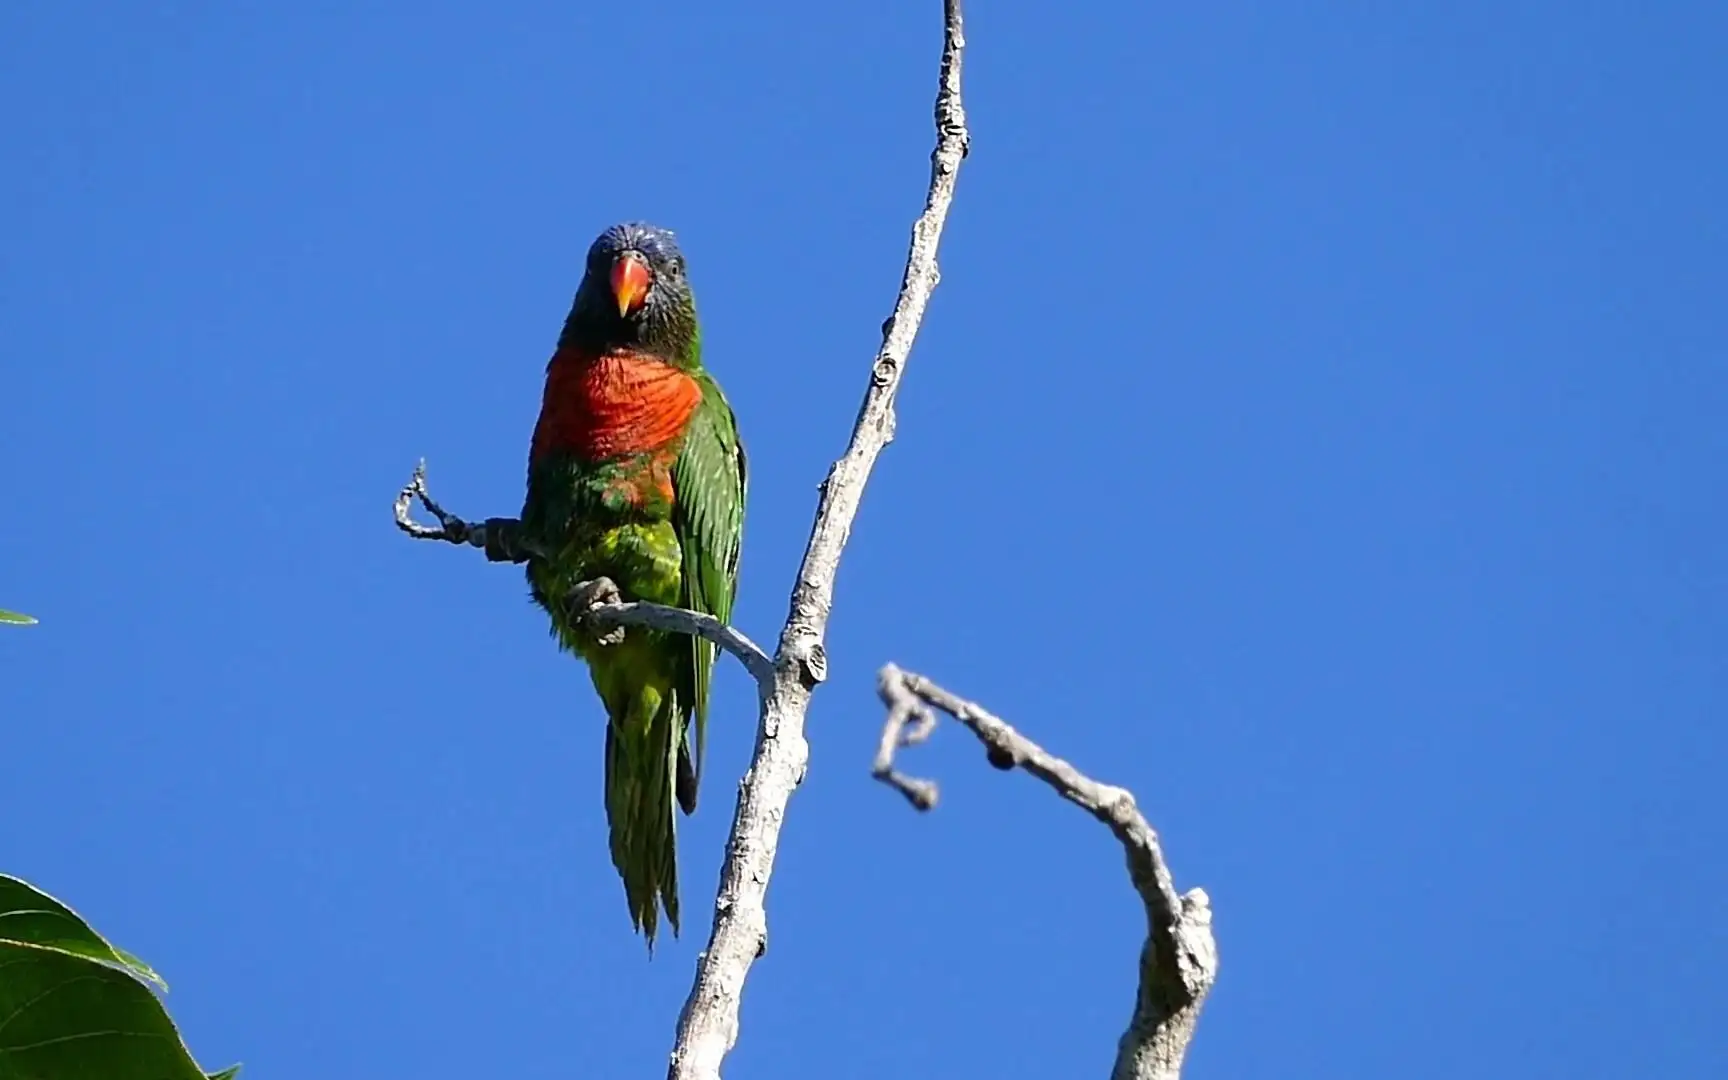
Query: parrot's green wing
[{"x": 709, "y": 482}]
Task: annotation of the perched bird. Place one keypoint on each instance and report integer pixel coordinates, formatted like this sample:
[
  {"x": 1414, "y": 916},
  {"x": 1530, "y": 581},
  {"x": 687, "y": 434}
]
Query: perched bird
[{"x": 636, "y": 474}]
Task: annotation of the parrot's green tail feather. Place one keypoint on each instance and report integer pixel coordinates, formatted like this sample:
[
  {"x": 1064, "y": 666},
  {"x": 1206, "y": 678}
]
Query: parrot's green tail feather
[
  {"x": 641, "y": 757},
  {"x": 687, "y": 776}
]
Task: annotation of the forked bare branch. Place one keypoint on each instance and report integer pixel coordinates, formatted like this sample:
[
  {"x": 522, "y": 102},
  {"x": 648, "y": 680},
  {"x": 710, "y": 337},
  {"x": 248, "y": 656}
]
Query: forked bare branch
[{"x": 1178, "y": 963}]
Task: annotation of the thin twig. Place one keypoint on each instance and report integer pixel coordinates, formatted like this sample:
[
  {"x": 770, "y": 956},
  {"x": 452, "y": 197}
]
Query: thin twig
[
  {"x": 910, "y": 722},
  {"x": 1179, "y": 962},
  {"x": 708, "y": 1026},
  {"x": 500, "y": 538}
]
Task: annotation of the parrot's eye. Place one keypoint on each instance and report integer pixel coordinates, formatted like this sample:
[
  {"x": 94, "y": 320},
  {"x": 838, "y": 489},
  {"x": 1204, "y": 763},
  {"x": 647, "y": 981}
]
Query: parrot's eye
[{"x": 676, "y": 266}]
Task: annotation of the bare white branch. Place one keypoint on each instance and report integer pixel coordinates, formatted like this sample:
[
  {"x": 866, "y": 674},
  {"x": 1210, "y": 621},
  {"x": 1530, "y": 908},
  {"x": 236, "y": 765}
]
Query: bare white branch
[
  {"x": 1178, "y": 963},
  {"x": 708, "y": 1025},
  {"x": 684, "y": 621}
]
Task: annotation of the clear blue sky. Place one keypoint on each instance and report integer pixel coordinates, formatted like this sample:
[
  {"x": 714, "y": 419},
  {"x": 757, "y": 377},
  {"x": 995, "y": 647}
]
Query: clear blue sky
[{"x": 1319, "y": 429}]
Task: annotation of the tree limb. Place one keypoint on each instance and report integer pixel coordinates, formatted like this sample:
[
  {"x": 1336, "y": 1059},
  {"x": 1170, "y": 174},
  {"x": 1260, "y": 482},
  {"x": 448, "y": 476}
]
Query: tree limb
[
  {"x": 597, "y": 602},
  {"x": 708, "y": 1026},
  {"x": 1178, "y": 963}
]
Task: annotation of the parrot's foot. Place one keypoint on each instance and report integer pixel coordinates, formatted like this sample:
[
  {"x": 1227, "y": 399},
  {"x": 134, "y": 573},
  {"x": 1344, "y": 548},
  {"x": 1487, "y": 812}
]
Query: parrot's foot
[{"x": 598, "y": 593}]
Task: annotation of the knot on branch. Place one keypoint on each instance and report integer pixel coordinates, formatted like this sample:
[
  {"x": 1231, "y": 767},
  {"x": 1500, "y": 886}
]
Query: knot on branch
[
  {"x": 802, "y": 653},
  {"x": 815, "y": 661},
  {"x": 1196, "y": 948}
]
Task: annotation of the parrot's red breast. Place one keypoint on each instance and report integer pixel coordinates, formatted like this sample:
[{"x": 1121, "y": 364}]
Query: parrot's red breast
[{"x": 599, "y": 407}]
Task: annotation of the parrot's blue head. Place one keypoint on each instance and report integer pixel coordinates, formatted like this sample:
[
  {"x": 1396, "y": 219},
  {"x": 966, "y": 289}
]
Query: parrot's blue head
[{"x": 634, "y": 292}]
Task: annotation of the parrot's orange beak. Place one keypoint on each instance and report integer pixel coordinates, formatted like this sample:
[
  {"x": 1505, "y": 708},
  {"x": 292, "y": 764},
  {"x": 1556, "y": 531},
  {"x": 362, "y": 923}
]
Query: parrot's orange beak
[{"x": 630, "y": 280}]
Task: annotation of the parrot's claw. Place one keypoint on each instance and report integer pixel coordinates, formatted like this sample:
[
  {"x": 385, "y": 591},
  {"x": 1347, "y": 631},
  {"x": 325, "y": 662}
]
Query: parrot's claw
[{"x": 598, "y": 593}]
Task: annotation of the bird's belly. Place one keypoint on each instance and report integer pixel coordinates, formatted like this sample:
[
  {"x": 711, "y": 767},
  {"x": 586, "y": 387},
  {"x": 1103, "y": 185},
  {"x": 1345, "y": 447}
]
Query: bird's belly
[{"x": 642, "y": 558}]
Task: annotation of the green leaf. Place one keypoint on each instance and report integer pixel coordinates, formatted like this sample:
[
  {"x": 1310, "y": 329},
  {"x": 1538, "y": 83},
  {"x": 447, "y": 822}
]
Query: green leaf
[
  {"x": 30, "y": 916},
  {"x": 73, "y": 1006},
  {"x": 15, "y": 619}
]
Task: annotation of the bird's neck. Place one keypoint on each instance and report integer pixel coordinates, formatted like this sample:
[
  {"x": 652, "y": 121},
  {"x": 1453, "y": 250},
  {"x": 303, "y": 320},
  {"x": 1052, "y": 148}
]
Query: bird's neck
[
  {"x": 669, "y": 334},
  {"x": 606, "y": 404}
]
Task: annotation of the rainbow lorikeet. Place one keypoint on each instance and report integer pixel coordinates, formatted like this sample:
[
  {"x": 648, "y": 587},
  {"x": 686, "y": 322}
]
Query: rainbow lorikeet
[{"x": 636, "y": 474}]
